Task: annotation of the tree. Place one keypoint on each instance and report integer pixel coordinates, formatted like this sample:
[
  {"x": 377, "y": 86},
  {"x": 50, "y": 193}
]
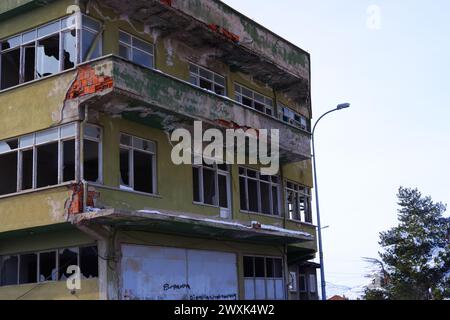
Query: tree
[{"x": 415, "y": 260}]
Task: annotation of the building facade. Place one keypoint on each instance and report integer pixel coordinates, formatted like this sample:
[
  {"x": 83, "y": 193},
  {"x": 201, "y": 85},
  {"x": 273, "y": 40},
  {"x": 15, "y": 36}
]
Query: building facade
[{"x": 90, "y": 93}]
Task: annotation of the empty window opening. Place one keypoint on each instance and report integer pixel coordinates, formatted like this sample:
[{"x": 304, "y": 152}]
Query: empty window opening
[
  {"x": 28, "y": 268},
  {"x": 9, "y": 270},
  {"x": 30, "y": 62},
  {"x": 253, "y": 99},
  {"x": 89, "y": 262},
  {"x": 136, "y": 50},
  {"x": 68, "y": 160},
  {"x": 92, "y": 153},
  {"x": 67, "y": 257},
  {"x": 207, "y": 79},
  {"x": 27, "y": 169},
  {"x": 47, "y": 266},
  {"x": 211, "y": 185},
  {"x": 10, "y": 69},
  {"x": 137, "y": 164},
  {"x": 47, "y": 165},
  {"x": 259, "y": 193},
  {"x": 263, "y": 278},
  {"x": 8, "y": 173}
]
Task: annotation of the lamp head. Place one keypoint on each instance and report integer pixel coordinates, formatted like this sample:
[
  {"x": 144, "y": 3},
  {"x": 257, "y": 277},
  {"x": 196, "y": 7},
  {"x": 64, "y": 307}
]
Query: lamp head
[{"x": 343, "y": 106}]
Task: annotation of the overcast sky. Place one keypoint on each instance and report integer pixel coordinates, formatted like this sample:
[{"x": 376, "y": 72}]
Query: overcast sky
[{"x": 396, "y": 75}]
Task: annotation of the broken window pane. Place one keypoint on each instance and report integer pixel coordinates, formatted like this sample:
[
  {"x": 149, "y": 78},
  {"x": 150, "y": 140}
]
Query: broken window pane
[
  {"x": 27, "y": 169},
  {"x": 28, "y": 268},
  {"x": 124, "y": 167},
  {"x": 47, "y": 266},
  {"x": 10, "y": 69},
  {"x": 67, "y": 257},
  {"x": 143, "y": 171},
  {"x": 9, "y": 267},
  {"x": 48, "y": 56},
  {"x": 89, "y": 262},
  {"x": 30, "y": 60},
  {"x": 68, "y": 160},
  {"x": 69, "y": 49},
  {"x": 47, "y": 165},
  {"x": 8, "y": 173},
  {"x": 209, "y": 186},
  {"x": 91, "y": 160}
]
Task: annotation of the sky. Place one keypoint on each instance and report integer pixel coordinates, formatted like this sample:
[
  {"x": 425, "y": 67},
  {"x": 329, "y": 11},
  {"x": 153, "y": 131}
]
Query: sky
[{"x": 390, "y": 59}]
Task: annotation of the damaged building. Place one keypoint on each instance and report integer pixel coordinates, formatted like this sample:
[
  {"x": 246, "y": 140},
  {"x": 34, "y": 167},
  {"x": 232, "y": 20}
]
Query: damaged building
[{"x": 90, "y": 92}]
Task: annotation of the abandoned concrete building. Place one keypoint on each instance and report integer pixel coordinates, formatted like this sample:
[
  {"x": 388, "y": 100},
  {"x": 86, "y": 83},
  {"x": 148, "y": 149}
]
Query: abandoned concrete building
[{"x": 89, "y": 94}]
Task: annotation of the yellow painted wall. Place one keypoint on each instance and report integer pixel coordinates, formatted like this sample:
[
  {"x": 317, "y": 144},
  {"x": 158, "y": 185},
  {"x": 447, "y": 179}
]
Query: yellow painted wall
[{"x": 52, "y": 290}]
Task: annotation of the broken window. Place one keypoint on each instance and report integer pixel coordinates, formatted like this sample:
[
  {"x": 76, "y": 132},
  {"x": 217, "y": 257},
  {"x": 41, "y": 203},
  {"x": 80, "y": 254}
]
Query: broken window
[
  {"x": 259, "y": 193},
  {"x": 212, "y": 184},
  {"x": 137, "y": 164},
  {"x": 89, "y": 262},
  {"x": 253, "y": 99},
  {"x": 38, "y": 160},
  {"x": 298, "y": 202},
  {"x": 67, "y": 257},
  {"x": 263, "y": 278},
  {"x": 289, "y": 116},
  {"x": 28, "y": 268},
  {"x": 207, "y": 79},
  {"x": 48, "y": 265},
  {"x": 136, "y": 50},
  {"x": 48, "y": 62},
  {"x": 49, "y": 49},
  {"x": 92, "y": 153}
]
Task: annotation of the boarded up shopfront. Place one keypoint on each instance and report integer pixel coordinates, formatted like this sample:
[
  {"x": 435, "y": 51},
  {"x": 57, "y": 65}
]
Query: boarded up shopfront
[{"x": 162, "y": 273}]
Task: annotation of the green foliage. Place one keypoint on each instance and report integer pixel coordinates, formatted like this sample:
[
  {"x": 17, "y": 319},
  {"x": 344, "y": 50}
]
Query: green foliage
[{"x": 416, "y": 253}]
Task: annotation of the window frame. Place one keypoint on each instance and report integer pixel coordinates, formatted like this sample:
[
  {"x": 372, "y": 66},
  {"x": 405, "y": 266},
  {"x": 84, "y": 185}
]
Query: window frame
[
  {"x": 197, "y": 77},
  {"x": 38, "y": 257},
  {"x": 33, "y": 145},
  {"x": 130, "y": 148},
  {"x": 298, "y": 190},
  {"x": 254, "y": 278},
  {"x": 100, "y": 152},
  {"x": 291, "y": 120},
  {"x": 217, "y": 172},
  {"x": 238, "y": 93},
  {"x": 76, "y": 25},
  {"x": 258, "y": 191},
  {"x": 132, "y": 47}
]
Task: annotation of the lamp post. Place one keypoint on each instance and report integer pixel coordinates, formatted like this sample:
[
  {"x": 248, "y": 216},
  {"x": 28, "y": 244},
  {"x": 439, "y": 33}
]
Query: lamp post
[{"x": 319, "y": 228}]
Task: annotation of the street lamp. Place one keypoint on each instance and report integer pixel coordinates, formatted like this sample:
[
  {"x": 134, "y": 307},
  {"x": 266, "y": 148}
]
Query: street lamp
[{"x": 319, "y": 229}]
